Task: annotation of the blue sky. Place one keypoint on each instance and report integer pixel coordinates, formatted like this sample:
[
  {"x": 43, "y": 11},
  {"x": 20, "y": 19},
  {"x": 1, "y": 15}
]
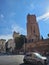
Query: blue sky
[{"x": 13, "y": 16}]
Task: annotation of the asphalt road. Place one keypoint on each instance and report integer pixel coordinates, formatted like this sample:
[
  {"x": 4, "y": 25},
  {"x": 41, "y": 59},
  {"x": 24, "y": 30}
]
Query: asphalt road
[{"x": 12, "y": 60}]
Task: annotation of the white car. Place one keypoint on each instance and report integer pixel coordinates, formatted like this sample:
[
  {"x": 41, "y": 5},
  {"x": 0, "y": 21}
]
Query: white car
[{"x": 35, "y": 58}]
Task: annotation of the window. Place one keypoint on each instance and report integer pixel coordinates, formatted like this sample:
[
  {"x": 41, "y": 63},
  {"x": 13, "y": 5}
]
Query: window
[
  {"x": 38, "y": 55},
  {"x": 34, "y": 30},
  {"x": 32, "y": 40}
]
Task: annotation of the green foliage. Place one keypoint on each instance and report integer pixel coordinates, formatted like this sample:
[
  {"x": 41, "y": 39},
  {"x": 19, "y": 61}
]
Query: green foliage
[
  {"x": 48, "y": 35},
  {"x": 19, "y": 41}
]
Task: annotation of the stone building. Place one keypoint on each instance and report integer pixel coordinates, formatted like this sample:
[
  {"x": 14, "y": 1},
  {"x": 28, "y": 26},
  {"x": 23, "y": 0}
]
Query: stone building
[
  {"x": 33, "y": 33},
  {"x": 11, "y": 42},
  {"x": 8, "y": 46},
  {"x": 40, "y": 46},
  {"x": 33, "y": 36},
  {"x": 11, "y": 45},
  {"x": 2, "y": 45},
  {"x": 15, "y": 35}
]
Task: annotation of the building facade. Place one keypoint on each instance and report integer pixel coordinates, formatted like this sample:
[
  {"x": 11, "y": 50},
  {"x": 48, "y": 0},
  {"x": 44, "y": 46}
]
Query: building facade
[
  {"x": 11, "y": 45},
  {"x": 2, "y": 45},
  {"x": 33, "y": 36},
  {"x": 15, "y": 35},
  {"x": 11, "y": 42},
  {"x": 33, "y": 33}
]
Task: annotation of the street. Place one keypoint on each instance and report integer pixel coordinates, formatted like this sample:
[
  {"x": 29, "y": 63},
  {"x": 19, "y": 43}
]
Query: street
[{"x": 12, "y": 60}]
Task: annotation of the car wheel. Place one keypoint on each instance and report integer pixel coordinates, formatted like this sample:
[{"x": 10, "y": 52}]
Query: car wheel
[{"x": 39, "y": 63}]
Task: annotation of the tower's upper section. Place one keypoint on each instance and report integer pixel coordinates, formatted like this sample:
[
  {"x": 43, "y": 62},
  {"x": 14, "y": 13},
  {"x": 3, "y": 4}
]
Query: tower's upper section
[
  {"x": 31, "y": 18},
  {"x": 15, "y": 34},
  {"x": 32, "y": 28}
]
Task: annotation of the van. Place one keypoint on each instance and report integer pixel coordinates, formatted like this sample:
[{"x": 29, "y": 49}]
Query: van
[{"x": 35, "y": 58}]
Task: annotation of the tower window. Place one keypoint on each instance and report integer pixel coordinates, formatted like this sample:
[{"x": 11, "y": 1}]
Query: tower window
[
  {"x": 32, "y": 40},
  {"x": 34, "y": 29}
]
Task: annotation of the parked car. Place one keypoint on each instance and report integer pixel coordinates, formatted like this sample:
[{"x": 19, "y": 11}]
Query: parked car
[{"x": 35, "y": 58}]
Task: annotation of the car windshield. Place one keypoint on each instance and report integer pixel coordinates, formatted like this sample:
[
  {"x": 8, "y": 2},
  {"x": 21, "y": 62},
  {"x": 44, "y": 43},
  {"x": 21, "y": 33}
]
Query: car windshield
[{"x": 38, "y": 55}]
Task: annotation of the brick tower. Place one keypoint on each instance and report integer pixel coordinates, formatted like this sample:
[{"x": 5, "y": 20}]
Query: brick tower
[{"x": 32, "y": 28}]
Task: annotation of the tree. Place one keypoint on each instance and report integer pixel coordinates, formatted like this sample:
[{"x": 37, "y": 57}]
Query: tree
[
  {"x": 42, "y": 37},
  {"x": 48, "y": 35},
  {"x": 19, "y": 41},
  {"x": 23, "y": 37}
]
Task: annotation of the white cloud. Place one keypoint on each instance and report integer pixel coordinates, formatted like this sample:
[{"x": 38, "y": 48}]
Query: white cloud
[
  {"x": 2, "y": 16},
  {"x": 43, "y": 17},
  {"x": 8, "y": 36},
  {"x": 18, "y": 29}
]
